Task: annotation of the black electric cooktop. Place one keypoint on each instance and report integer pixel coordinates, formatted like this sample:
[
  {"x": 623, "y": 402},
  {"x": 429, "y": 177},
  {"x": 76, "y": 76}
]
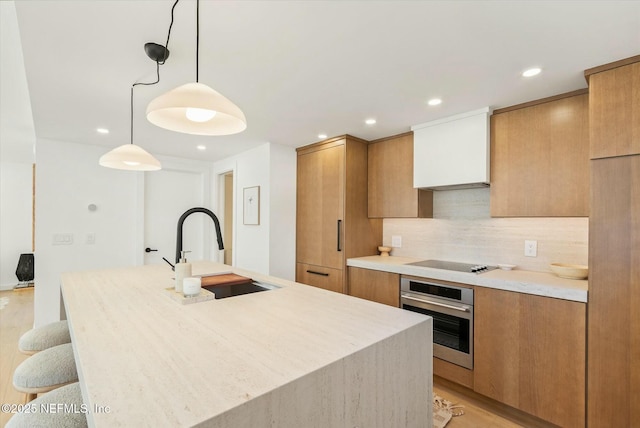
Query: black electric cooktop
[{"x": 455, "y": 266}]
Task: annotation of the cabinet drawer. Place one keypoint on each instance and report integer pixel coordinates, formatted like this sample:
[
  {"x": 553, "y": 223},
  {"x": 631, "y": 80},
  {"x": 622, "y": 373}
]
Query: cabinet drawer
[{"x": 319, "y": 276}]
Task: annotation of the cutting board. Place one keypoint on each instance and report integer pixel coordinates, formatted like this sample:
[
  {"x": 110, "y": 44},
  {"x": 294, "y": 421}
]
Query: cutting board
[{"x": 225, "y": 279}]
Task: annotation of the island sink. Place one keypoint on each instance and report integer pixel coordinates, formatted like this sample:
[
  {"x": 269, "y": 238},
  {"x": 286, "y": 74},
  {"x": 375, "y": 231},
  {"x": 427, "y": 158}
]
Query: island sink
[{"x": 229, "y": 290}]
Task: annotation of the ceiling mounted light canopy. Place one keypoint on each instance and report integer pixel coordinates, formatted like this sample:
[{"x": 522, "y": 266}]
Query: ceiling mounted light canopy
[{"x": 195, "y": 108}]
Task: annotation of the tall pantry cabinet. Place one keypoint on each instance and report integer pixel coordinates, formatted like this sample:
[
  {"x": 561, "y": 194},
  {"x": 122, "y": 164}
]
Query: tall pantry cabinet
[
  {"x": 613, "y": 341},
  {"x": 332, "y": 223}
]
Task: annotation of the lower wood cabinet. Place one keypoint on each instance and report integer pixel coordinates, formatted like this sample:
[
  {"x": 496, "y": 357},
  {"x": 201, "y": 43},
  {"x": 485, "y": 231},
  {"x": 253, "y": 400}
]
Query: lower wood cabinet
[
  {"x": 320, "y": 276},
  {"x": 377, "y": 286},
  {"x": 530, "y": 354}
]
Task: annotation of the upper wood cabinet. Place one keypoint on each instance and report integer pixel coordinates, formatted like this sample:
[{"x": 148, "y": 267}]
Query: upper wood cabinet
[
  {"x": 530, "y": 354},
  {"x": 391, "y": 191},
  {"x": 332, "y": 223},
  {"x": 540, "y": 158},
  {"x": 614, "y": 115}
]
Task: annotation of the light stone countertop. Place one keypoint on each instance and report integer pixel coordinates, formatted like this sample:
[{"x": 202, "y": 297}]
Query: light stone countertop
[
  {"x": 521, "y": 281},
  {"x": 293, "y": 356}
]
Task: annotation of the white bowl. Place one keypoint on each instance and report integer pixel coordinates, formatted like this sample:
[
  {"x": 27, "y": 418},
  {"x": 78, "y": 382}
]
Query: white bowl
[
  {"x": 568, "y": 271},
  {"x": 505, "y": 266}
]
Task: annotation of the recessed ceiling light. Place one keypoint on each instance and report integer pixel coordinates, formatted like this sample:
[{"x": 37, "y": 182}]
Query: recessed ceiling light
[
  {"x": 102, "y": 130},
  {"x": 434, "y": 101},
  {"x": 201, "y": 147},
  {"x": 322, "y": 136},
  {"x": 531, "y": 72},
  {"x": 370, "y": 121}
]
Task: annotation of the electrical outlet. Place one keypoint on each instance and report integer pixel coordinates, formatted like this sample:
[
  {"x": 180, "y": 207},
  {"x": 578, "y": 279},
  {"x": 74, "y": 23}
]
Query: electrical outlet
[
  {"x": 63, "y": 239},
  {"x": 396, "y": 241},
  {"x": 531, "y": 248},
  {"x": 90, "y": 238}
]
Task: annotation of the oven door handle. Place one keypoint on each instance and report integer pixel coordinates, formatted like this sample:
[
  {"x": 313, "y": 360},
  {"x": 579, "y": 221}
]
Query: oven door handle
[{"x": 457, "y": 308}]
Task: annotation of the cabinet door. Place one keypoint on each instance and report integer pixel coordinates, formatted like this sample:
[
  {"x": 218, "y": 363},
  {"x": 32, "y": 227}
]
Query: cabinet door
[
  {"x": 614, "y": 116},
  {"x": 614, "y": 293},
  {"x": 377, "y": 286},
  {"x": 391, "y": 191},
  {"x": 320, "y": 205},
  {"x": 540, "y": 160},
  {"x": 530, "y": 353},
  {"x": 320, "y": 276}
]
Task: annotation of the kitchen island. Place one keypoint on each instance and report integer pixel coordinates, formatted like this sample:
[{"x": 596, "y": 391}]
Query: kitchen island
[{"x": 294, "y": 356}]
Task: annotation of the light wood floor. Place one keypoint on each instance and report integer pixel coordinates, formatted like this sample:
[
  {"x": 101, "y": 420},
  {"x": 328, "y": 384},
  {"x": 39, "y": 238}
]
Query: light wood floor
[
  {"x": 474, "y": 415},
  {"x": 17, "y": 317},
  {"x": 482, "y": 412}
]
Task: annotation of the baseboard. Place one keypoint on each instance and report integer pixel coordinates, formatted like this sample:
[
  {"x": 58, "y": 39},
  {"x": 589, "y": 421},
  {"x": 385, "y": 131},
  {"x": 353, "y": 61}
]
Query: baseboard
[{"x": 12, "y": 286}]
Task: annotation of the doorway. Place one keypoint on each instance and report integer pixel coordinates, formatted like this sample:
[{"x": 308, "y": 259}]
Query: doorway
[
  {"x": 226, "y": 208},
  {"x": 168, "y": 193}
]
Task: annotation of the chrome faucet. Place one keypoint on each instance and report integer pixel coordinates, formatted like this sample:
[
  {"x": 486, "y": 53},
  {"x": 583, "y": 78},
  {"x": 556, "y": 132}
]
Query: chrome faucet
[{"x": 181, "y": 222}]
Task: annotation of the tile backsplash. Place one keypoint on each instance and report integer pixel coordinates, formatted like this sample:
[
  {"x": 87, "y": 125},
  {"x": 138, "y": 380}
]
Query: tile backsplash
[{"x": 463, "y": 230}]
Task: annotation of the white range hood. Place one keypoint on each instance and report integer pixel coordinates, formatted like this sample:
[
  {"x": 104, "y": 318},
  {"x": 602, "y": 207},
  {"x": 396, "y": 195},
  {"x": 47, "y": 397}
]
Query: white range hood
[{"x": 452, "y": 153}]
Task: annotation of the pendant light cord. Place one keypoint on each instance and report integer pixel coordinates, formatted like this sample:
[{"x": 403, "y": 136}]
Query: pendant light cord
[
  {"x": 166, "y": 45},
  {"x": 144, "y": 84},
  {"x": 158, "y": 64},
  {"x": 197, "y": 38}
]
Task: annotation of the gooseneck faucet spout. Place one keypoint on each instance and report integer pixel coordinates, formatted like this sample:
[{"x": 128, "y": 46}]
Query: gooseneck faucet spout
[{"x": 181, "y": 222}]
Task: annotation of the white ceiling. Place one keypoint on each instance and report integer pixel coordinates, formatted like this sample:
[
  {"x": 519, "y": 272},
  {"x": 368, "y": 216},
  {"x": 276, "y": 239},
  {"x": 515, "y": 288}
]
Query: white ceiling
[{"x": 300, "y": 68}]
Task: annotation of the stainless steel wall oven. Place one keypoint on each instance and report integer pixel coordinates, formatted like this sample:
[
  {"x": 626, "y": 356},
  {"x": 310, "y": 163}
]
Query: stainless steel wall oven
[{"x": 451, "y": 308}]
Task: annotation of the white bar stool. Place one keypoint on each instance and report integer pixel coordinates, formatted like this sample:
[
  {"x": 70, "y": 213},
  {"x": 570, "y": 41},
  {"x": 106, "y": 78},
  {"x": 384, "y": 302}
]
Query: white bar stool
[
  {"x": 61, "y": 408},
  {"x": 45, "y": 371},
  {"x": 47, "y": 336}
]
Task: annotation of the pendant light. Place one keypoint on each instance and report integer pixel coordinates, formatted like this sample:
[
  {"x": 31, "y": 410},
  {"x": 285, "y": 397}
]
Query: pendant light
[
  {"x": 129, "y": 156},
  {"x": 195, "y": 108}
]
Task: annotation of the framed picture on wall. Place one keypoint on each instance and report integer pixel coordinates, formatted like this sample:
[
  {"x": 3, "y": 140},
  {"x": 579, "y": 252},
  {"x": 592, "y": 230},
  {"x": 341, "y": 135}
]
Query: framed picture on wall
[{"x": 251, "y": 205}]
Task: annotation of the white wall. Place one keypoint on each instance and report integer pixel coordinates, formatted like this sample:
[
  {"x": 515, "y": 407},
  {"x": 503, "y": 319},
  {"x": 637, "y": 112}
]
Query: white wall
[
  {"x": 463, "y": 230},
  {"x": 15, "y": 218},
  {"x": 282, "y": 204},
  {"x": 68, "y": 179},
  {"x": 17, "y": 140},
  {"x": 17, "y": 132},
  {"x": 269, "y": 247}
]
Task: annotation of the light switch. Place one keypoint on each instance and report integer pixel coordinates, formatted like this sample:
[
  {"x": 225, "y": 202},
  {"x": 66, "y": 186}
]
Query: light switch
[
  {"x": 90, "y": 238},
  {"x": 396, "y": 241},
  {"x": 63, "y": 239}
]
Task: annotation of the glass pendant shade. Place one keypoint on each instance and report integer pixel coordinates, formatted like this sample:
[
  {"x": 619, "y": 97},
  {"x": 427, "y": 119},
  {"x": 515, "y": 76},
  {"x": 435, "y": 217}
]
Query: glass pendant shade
[
  {"x": 195, "y": 108},
  {"x": 130, "y": 157}
]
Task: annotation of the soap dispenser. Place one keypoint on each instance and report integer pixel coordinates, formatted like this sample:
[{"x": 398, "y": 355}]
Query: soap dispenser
[{"x": 183, "y": 270}]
